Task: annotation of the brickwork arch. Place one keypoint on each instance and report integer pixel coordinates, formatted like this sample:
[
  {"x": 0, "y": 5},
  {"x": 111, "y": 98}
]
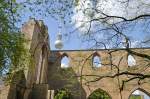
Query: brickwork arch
[
  {"x": 96, "y": 54},
  {"x": 131, "y": 60},
  {"x": 64, "y": 54},
  {"x": 65, "y": 61},
  {"x": 142, "y": 88},
  {"x": 96, "y": 60}
]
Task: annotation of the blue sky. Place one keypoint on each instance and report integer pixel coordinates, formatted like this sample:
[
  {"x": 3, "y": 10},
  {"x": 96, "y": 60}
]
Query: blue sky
[
  {"x": 73, "y": 41},
  {"x": 70, "y": 43}
]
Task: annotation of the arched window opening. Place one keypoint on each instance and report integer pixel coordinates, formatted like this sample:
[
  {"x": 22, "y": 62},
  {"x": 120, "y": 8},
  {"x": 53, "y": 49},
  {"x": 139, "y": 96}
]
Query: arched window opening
[
  {"x": 139, "y": 94},
  {"x": 99, "y": 94},
  {"x": 96, "y": 62},
  {"x": 131, "y": 61},
  {"x": 64, "y": 62}
]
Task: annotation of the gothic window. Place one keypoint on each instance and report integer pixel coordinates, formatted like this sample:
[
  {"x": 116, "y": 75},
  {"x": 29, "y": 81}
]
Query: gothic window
[
  {"x": 64, "y": 62},
  {"x": 96, "y": 61},
  {"x": 139, "y": 94},
  {"x": 131, "y": 60}
]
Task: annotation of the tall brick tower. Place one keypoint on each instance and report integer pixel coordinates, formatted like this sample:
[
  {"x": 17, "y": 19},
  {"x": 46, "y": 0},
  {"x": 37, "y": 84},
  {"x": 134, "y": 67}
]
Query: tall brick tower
[{"x": 38, "y": 44}]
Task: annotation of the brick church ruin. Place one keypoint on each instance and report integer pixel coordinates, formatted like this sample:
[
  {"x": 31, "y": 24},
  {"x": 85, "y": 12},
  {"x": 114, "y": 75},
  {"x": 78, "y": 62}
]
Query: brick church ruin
[{"x": 81, "y": 77}]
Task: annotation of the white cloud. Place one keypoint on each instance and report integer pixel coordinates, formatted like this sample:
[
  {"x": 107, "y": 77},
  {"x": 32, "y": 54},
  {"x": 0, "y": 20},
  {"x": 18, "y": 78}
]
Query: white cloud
[
  {"x": 84, "y": 12},
  {"x": 136, "y": 44},
  {"x": 79, "y": 18}
]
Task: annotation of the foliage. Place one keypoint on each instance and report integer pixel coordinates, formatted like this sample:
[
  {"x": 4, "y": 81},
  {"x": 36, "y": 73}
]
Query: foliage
[
  {"x": 63, "y": 94},
  {"x": 135, "y": 97},
  {"x": 57, "y": 9},
  {"x": 13, "y": 54},
  {"x": 105, "y": 24},
  {"x": 99, "y": 94}
]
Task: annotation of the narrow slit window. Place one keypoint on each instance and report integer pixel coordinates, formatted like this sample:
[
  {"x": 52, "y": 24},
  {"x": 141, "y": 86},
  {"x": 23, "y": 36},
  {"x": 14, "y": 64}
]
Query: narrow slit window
[
  {"x": 96, "y": 62},
  {"x": 131, "y": 60},
  {"x": 65, "y": 62}
]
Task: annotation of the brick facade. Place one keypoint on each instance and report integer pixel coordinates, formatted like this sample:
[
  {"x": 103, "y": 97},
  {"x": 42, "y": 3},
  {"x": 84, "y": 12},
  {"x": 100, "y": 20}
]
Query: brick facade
[{"x": 47, "y": 75}]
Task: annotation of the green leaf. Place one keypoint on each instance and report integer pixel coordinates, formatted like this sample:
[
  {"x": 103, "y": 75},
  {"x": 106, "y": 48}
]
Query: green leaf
[{"x": 14, "y": 1}]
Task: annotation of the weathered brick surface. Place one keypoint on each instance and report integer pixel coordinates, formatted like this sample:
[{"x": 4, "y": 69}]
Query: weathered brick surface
[
  {"x": 47, "y": 74},
  {"x": 39, "y": 91},
  {"x": 56, "y": 74}
]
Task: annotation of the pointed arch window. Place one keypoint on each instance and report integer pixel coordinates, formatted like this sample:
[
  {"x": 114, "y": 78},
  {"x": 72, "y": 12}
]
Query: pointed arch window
[
  {"x": 131, "y": 60},
  {"x": 65, "y": 62},
  {"x": 96, "y": 61},
  {"x": 139, "y": 94}
]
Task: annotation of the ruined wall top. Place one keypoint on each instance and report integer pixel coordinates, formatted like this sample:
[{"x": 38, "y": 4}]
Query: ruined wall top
[
  {"x": 36, "y": 33},
  {"x": 81, "y": 65}
]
